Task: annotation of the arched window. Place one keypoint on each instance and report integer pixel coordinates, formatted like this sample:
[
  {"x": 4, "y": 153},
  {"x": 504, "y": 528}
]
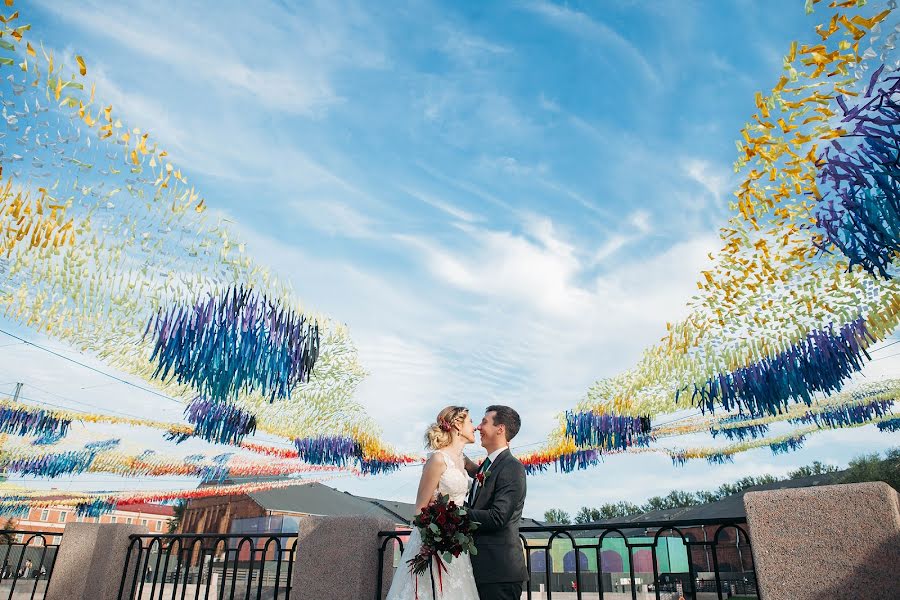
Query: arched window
[
  {"x": 538, "y": 561},
  {"x": 643, "y": 561},
  {"x": 611, "y": 562},
  {"x": 569, "y": 561}
]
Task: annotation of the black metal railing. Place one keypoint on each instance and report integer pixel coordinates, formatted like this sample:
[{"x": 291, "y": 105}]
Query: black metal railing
[
  {"x": 27, "y": 563},
  {"x": 704, "y": 558},
  {"x": 209, "y": 567}
]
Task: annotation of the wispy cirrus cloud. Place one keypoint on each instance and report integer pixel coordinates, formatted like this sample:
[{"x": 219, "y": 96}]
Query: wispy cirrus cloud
[{"x": 583, "y": 25}]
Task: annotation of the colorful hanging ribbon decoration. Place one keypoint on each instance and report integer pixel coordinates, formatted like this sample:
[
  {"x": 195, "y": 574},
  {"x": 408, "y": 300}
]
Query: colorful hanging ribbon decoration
[
  {"x": 218, "y": 471},
  {"x": 328, "y": 450},
  {"x": 887, "y": 390},
  {"x": 859, "y": 211},
  {"x": 235, "y": 342},
  {"x": 94, "y": 508},
  {"x": 102, "y": 445},
  {"x": 791, "y": 444},
  {"x": 820, "y": 363},
  {"x": 32, "y": 222},
  {"x": 679, "y": 458},
  {"x": 601, "y": 430},
  {"x": 270, "y": 450},
  {"x": 18, "y": 505},
  {"x": 890, "y": 425},
  {"x": 741, "y": 433},
  {"x": 12, "y": 509},
  {"x": 19, "y": 421},
  {"x": 564, "y": 456},
  {"x": 717, "y": 458},
  {"x": 47, "y": 439},
  {"x": 50, "y": 465},
  {"x": 369, "y": 456},
  {"x": 844, "y": 416},
  {"x": 217, "y": 422}
]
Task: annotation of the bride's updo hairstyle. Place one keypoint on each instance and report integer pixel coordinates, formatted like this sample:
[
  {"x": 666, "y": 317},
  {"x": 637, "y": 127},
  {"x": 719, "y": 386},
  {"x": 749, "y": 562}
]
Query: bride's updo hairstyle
[{"x": 440, "y": 433}]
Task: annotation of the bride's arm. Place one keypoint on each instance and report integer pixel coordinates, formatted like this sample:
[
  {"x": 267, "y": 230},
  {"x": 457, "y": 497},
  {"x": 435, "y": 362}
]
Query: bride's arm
[
  {"x": 471, "y": 467},
  {"x": 431, "y": 475}
]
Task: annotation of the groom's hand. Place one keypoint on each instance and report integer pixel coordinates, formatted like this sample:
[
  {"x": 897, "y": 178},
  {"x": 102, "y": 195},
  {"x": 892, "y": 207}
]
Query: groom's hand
[{"x": 471, "y": 467}]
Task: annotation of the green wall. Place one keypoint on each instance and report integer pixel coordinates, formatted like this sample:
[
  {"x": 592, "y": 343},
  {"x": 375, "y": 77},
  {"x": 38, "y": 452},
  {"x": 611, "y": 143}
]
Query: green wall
[{"x": 671, "y": 553}]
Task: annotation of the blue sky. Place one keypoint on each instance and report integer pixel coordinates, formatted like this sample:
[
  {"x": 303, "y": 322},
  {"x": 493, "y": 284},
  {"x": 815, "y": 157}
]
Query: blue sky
[{"x": 504, "y": 201}]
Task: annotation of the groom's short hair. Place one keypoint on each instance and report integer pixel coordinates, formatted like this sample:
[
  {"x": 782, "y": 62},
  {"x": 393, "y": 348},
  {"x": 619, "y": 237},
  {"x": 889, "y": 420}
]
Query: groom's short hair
[{"x": 508, "y": 417}]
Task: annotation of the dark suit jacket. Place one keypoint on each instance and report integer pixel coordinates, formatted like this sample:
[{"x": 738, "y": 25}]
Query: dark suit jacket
[{"x": 498, "y": 509}]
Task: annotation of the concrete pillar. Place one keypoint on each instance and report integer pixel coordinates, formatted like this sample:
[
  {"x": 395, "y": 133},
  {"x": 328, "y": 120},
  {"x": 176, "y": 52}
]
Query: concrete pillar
[
  {"x": 337, "y": 558},
  {"x": 90, "y": 561},
  {"x": 833, "y": 541}
]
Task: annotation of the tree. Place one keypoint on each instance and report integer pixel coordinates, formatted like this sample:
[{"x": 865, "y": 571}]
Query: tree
[
  {"x": 587, "y": 514},
  {"x": 6, "y": 538},
  {"x": 616, "y": 510},
  {"x": 817, "y": 468},
  {"x": 558, "y": 516},
  {"x": 177, "y": 516},
  {"x": 870, "y": 467}
]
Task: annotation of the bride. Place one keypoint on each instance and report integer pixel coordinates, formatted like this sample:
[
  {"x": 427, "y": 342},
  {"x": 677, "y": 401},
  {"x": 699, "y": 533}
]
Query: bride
[{"x": 444, "y": 473}]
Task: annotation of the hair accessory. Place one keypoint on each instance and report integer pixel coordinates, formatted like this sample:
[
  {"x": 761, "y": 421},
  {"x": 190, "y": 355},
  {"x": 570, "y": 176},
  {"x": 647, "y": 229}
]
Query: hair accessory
[{"x": 445, "y": 425}]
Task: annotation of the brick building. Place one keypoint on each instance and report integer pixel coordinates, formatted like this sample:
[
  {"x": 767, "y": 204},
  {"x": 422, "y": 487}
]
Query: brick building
[
  {"x": 279, "y": 510},
  {"x": 155, "y": 517}
]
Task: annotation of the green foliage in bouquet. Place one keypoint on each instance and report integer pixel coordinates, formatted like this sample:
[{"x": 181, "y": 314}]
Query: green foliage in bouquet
[{"x": 446, "y": 531}]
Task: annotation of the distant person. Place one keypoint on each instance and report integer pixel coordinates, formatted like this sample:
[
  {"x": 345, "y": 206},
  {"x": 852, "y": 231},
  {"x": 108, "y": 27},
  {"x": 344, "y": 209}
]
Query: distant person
[
  {"x": 43, "y": 572},
  {"x": 25, "y": 571},
  {"x": 6, "y": 571}
]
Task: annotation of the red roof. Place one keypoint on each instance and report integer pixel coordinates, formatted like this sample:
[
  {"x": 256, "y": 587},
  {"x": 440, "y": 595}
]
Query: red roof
[{"x": 151, "y": 509}]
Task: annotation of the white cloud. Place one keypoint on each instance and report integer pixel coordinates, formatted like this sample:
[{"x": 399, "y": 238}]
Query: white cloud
[
  {"x": 512, "y": 268},
  {"x": 273, "y": 88},
  {"x": 716, "y": 181},
  {"x": 335, "y": 218},
  {"x": 512, "y": 166},
  {"x": 444, "y": 207},
  {"x": 582, "y": 25},
  {"x": 547, "y": 104},
  {"x": 610, "y": 246},
  {"x": 298, "y": 84},
  {"x": 640, "y": 220},
  {"x": 469, "y": 48}
]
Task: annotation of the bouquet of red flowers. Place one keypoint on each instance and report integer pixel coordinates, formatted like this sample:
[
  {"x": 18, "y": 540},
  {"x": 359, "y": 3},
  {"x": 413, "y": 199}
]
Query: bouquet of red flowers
[{"x": 446, "y": 531}]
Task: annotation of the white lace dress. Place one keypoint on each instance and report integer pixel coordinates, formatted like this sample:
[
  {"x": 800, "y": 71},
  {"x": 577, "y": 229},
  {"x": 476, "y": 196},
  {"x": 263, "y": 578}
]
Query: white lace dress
[{"x": 458, "y": 581}]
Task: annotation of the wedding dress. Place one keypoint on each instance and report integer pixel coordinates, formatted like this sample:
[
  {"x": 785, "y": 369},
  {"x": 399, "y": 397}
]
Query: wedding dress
[{"x": 457, "y": 582}]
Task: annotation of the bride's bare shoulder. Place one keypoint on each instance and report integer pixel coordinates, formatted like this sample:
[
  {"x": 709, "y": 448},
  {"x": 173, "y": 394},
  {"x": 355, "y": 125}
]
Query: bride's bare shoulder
[{"x": 436, "y": 460}]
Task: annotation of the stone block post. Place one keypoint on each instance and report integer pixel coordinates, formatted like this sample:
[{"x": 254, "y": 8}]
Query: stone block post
[
  {"x": 337, "y": 558},
  {"x": 90, "y": 561},
  {"x": 833, "y": 541}
]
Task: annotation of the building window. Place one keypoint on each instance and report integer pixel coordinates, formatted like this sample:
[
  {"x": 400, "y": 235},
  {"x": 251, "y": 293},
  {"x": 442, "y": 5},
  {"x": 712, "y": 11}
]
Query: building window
[
  {"x": 62, "y": 516},
  {"x": 57, "y": 539},
  {"x": 159, "y": 525},
  {"x": 113, "y": 519},
  {"x": 144, "y": 522},
  {"x": 45, "y": 515},
  {"x": 129, "y": 521}
]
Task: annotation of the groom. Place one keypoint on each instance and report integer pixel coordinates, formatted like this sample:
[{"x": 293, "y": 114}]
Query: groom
[{"x": 495, "y": 502}]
